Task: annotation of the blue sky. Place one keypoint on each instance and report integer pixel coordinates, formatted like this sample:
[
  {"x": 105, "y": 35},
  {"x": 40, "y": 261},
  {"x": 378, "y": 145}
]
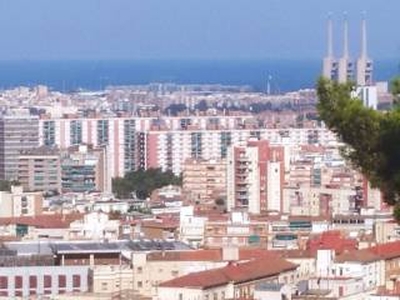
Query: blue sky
[{"x": 186, "y": 29}]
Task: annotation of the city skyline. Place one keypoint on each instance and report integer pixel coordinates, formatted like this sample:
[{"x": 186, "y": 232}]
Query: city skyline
[{"x": 47, "y": 30}]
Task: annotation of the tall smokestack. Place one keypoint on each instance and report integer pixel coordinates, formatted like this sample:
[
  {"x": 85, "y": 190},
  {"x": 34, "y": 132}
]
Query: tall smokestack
[
  {"x": 330, "y": 36},
  {"x": 329, "y": 67},
  {"x": 364, "y": 64},
  {"x": 345, "y": 37},
  {"x": 363, "y": 36}
]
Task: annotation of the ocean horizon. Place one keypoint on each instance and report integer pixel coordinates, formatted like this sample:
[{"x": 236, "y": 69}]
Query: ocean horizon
[{"x": 69, "y": 75}]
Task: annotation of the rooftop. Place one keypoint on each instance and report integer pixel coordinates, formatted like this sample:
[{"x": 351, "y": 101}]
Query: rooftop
[
  {"x": 236, "y": 273},
  {"x": 363, "y": 256},
  {"x": 42, "y": 221}
]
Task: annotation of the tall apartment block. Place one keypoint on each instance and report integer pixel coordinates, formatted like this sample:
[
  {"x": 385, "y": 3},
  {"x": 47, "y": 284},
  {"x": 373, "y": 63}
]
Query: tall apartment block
[
  {"x": 84, "y": 169},
  {"x": 204, "y": 181},
  {"x": 19, "y": 132},
  {"x": 39, "y": 169},
  {"x": 139, "y": 143},
  {"x": 255, "y": 177}
]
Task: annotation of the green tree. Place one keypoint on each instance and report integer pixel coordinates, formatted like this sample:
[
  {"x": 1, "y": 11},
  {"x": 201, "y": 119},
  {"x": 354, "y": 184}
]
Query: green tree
[
  {"x": 6, "y": 185},
  {"x": 143, "y": 182},
  {"x": 372, "y": 137}
]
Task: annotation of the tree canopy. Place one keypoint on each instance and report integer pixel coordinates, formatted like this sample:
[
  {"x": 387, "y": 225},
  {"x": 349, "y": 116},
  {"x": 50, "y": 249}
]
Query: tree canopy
[
  {"x": 143, "y": 183},
  {"x": 372, "y": 137}
]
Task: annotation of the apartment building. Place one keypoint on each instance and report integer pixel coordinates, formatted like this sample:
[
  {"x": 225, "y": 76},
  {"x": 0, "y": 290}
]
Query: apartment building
[
  {"x": 238, "y": 230},
  {"x": 40, "y": 281},
  {"x": 18, "y": 203},
  {"x": 255, "y": 177},
  {"x": 85, "y": 169},
  {"x": 19, "y": 131},
  {"x": 204, "y": 181},
  {"x": 166, "y": 142},
  {"x": 236, "y": 280},
  {"x": 39, "y": 169}
]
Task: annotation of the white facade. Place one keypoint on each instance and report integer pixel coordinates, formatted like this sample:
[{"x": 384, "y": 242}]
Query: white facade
[
  {"x": 274, "y": 186},
  {"x": 191, "y": 228},
  {"x": 180, "y": 140},
  {"x": 223, "y": 292},
  {"x": 94, "y": 226},
  {"x": 251, "y": 191},
  {"x": 368, "y": 95}
]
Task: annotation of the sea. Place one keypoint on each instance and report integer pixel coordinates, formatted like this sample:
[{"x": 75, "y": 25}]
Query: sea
[{"x": 66, "y": 76}]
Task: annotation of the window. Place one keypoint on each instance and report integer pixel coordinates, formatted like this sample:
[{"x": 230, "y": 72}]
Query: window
[
  {"x": 47, "y": 281},
  {"x": 104, "y": 286},
  {"x": 18, "y": 282},
  {"x": 174, "y": 273},
  {"x": 32, "y": 282},
  {"x": 3, "y": 282},
  {"x": 215, "y": 296},
  {"x": 62, "y": 281},
  {"x": 139, "y": 270},
  {"x": 139, "y": 284},
  {"x": 76, "y": 281}
]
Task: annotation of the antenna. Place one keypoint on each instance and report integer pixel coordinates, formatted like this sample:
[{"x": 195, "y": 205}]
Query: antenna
[
  {"x": 363, "y": 36},
  {"x": 345, "y": 36}
]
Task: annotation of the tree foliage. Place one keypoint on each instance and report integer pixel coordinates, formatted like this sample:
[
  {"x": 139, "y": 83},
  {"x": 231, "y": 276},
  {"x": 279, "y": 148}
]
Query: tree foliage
[
  {"x": 6, "y": 185},
  {"x": 143, "y": 183},
  {"x": 372, "y": 137}
]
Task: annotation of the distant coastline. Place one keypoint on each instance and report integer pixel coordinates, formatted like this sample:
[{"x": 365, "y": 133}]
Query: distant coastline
[{"x": 65, "y": 75}]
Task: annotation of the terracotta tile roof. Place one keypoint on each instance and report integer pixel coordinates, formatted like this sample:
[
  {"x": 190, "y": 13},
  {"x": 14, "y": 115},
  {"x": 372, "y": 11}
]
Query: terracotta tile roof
[
  {"x": 294, "y": 253},
  {"x": 363, "y": 256},
  {"x": 236, "y": 273},
  {"x": 160, "y": 225},
  {"x": 43, "y": 221},
  {"x": 195, "y": 255},
  {"x": 245, "y": 254},
  {"x": 388, "y": 250}
]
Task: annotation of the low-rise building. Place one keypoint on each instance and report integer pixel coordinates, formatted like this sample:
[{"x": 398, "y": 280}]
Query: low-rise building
[
  {"x": 234, "y": 281},
  {"x": 94, "y": 226},
  {"x": 18, "y": 203}
]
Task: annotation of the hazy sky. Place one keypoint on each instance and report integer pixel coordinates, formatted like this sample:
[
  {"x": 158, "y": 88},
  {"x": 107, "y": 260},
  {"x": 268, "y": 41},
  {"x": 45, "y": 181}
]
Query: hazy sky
[{"x": 184, "y": 29}]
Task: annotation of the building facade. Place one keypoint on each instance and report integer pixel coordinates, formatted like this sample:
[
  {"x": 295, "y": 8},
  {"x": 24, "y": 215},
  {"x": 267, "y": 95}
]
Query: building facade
[
  {"x": 39, "y": 169},
  {"x": 255, "y": 177},
  {"x": 19, "y": 132}
]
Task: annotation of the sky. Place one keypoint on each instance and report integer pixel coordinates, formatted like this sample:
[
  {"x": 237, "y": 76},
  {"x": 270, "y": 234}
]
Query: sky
[{"x": 190, "y": 29}]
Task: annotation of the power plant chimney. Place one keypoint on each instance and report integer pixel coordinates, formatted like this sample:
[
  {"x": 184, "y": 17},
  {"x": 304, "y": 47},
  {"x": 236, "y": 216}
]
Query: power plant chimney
[
  {"x": 364, "y": 64},
  {"x": 346, "y": 66},
  {"x": 345, "y": 36},
  {"x": 363, "y": 37},
  {"x": 329, "y": 68}
]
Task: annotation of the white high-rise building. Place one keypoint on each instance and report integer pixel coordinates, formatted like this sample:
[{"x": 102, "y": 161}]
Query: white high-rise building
[{"x": 274, "y": 186}]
